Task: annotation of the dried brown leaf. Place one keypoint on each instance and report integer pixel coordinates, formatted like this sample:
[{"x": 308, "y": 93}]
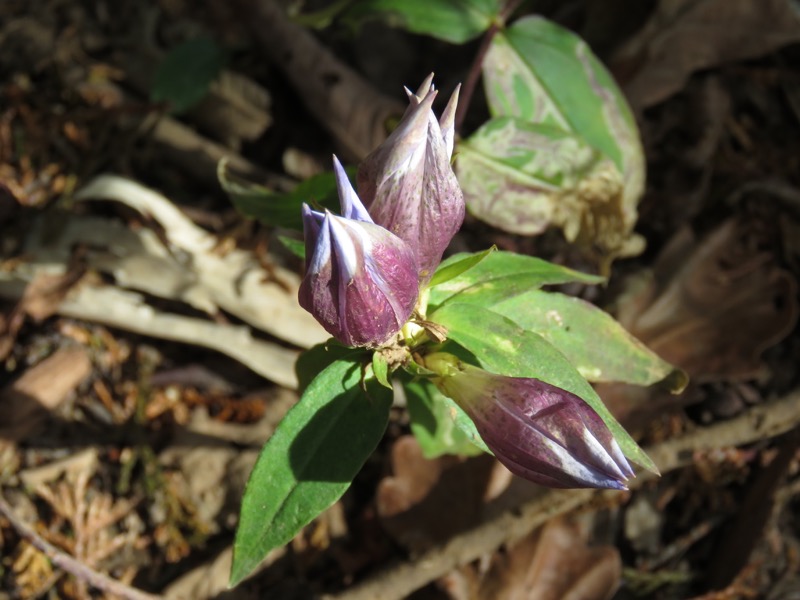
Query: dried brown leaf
[
  {"x": 553, "y": 563},
  {"x": 418, "y": 505},
  {"x": 684, "y": 36},
  {"x": 719, "y": 303},
  {"x": 39, "y": 390}
]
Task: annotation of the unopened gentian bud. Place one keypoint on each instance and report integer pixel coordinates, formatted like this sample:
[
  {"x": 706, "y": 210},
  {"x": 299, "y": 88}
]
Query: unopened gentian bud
[
  {"x": 361, "y": 280},
  {"x": 408, "y": 183},
  {"x": 538, "y": 431}
]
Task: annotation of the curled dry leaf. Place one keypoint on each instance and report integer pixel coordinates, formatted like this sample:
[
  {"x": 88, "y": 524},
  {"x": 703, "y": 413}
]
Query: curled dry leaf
[
  {"x": 25, "y": 403},
  {"x": 417, "y": 505},
  {"x": 39, "y": 300},
  {"x": 553, "y": 563},
  {"x": 720, "y": 303},
  {"x": 684, "y": 36}
]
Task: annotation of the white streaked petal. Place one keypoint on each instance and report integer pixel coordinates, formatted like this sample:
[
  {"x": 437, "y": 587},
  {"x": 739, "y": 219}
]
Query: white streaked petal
[
  {"x": 616, "y": 453},
  {"x": 562, "y": 458},
  {"x": 352, "y": 208},
  {"x": 447, "y": 121},
  {"x": 344, "y": 247},
  {"x": 601, "y": 455},
  {"x": 322, "y": 250}
]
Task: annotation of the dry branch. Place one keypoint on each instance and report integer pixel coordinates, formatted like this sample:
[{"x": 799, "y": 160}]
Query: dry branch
[
  {"x": 341, "y": 100},
  {"x": 69, "y": 564}
]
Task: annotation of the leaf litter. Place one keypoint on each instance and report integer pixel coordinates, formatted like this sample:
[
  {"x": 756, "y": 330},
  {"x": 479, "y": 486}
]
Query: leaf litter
[{"x": 135, "y": 468}]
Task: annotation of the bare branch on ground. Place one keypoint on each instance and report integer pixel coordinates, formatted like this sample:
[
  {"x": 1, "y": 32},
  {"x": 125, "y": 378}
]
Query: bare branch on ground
[
  {"x": 69, "y": 564},
  {"x": 763, "y": 422}
]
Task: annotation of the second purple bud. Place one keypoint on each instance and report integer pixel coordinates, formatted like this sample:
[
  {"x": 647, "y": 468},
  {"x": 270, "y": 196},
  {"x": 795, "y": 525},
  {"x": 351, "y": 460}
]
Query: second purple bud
[{"x": 408, "y": 184}]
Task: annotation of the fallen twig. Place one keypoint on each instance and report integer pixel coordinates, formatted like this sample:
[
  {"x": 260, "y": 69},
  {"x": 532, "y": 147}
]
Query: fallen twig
[
  {"x": 69, "y": 564},
  {"x": 762, "y": 422},
  {"x": 343, "y": 102}
]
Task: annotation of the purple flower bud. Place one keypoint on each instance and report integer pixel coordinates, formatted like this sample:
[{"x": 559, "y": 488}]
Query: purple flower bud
[
  {"x": 408, "y": 183},
  {"x": 538, "y": 431},
  {"x": 361, "y": 280}
]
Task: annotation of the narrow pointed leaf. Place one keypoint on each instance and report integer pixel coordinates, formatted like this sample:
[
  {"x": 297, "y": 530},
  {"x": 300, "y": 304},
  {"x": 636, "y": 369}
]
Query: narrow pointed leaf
[
  {"x": 504, "y": 271},
  {"x": 310, "y": 460},
  {"x": 503, "y": 347},
  {"x": 449, "y": 269}
]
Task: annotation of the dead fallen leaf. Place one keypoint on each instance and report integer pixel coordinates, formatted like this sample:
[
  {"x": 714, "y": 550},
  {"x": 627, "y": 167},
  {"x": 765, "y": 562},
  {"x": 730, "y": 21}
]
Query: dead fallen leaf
[
  {"x": 553, "y": 563},
  {"x": 684, "y": 36},
  {"x": 716, "y": 304},
  {"x": 40, "y": 300},
  {"x": 426, "y": 501},
  {"x": 26, "y": 402}
]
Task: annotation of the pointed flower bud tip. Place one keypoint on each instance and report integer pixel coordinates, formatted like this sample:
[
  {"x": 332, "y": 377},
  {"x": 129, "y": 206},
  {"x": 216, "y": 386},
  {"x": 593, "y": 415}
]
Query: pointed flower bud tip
[
  {"x": 447, "y": 121},
  {"x": 538, "y": 431},
  {"x": 351, "y": 205}
]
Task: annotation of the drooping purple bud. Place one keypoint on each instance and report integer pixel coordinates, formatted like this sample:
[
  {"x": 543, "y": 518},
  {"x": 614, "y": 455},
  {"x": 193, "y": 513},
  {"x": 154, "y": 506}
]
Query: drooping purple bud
[
  {"x": 361, "y": 280},
  {"x": 538, "y": 431},
  {"x": 408, "y": 183}
]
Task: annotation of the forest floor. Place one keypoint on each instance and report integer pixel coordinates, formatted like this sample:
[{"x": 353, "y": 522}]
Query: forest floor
[{"x": 137, "y": 388}]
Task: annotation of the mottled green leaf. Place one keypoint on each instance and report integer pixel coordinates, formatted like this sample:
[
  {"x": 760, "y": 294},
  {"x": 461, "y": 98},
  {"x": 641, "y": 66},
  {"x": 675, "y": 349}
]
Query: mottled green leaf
[
  {"x": 596, "y": 345},
  {"x": 503, "y": 347},
  {"x": 500, "y": 275},
  {"x": 455, "y": 21},
  {"x": 279, "y": 209},
  {"x": 523, "y": 177},
  {"x": 184, "y": 76},
  {"x": 439, "y": 424},
  {"x": 541, "y": 73},
  {"x": 310, "y": 461}
]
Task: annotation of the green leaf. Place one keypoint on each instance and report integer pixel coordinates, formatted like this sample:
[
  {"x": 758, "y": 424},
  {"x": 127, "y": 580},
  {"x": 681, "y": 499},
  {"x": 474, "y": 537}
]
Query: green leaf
[
  {"x": 380, "y": 367},
  {"x": 309, "y": 461},
  {"x": 322, "y": 18},
  {"x": 524, "y": 177},
  {"x": 596, "y": 345},
  {"x": 316, "y": 359},
  {"x": 543, "y": 73},
  {"x": 279, "y": 209},
  {"x": 447, "y": 270},
  {"x": 296, "y": 247},
  {"x": 185, "y": 75},
  {"x": 503, "y": 347},
  {"x": 500, "y": 275},
  {"x": 439, "y": 424},
  {"x": 454, "y": 21}
]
